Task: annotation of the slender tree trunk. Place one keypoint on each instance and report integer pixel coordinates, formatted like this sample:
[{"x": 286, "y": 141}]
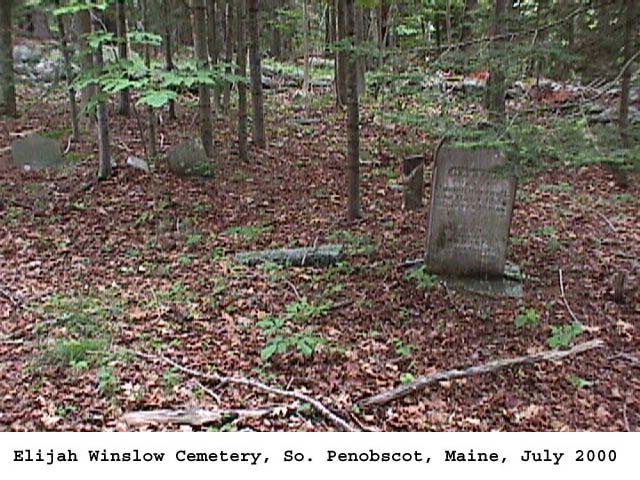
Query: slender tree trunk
[
  {"x": 306, "y": 83},
  {"x": 7, "y": 80},
  {"x": 341, "y": 55},
  {"x": 124, "y": 105},
  {"x": 66, "y": 54},
  {"x": 228, "y": 54},
  {"x": 84, "y": 26},
  {"x": 151, "y": 114},
  {"x": 276, "y": 36},
  {"x": 631, "y": 22},
  {"x": 104, "y": 168},
  {"x": 361, "y": 60},
  {"x": 168, "y": 49},
  {"x": 200, "y": 46},
  {"x": 353, "y": 120},
  {"x": 495, "y": 94},
  {"x": 256, "y": 74},
  {"x": 213, "y": 41},
  {"x": 241, "y": 60}
]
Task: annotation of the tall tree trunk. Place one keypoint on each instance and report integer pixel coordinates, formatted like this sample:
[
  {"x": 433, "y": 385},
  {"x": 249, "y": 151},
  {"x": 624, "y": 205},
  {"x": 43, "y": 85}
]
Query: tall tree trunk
[
  {"x": 341, "y": 55},
  {"x": 213, "y": 42},
  {"x": 495, "y": 94},
  {"x": 353, "y": 120},
  {"x": 204, "y": 103},
  {"x": 104, "y": 167},
  {"x": 469, "y": 7},
  {"x": 151, "y": 114},
  {"x": 256, "y": 74},
  {"x": 66, "y": 54},
  {"x": 276, "y": 36},
  {"x": 7, "y": 81},
  {"x": 306, "y": 83},
  {"x": 241, "y": 60},
  {"x": 124, "y": 105},
  {"x": 631, "y": 22},
  {"x": 361, "y": 60},
  {"x": 228, "y": 53},
  {"x": 168, "y": 49},
  {"x": 84, "y": 28}
]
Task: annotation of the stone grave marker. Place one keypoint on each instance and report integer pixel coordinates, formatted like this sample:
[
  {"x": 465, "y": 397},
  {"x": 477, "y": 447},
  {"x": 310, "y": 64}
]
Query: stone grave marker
[
  {"x": 36, "y": 152},
  {"x": 471, "y": 206},
  {"x": 413, "y": 175},
  {"x": 189, "y": 159}
]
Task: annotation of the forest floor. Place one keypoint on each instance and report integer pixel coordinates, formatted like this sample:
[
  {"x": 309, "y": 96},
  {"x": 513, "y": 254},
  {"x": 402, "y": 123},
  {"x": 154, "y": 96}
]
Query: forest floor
[{"x": 145, "y": 262}]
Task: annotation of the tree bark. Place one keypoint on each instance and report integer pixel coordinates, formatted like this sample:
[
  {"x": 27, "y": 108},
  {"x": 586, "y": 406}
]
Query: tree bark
[
  {"x": 241, "y": 60},
  {"x": 361, "y": 60},
  {"x": 625, "y": 87},
  {"x": 306, "y": 82},
  {"x": 124, "y": 105},
  {"x": 104, "y": 168},
  {"x": 151, "y": 114},
  {"x": 495, "y": 95},
  {"x": 353, "y": 120},
  {"x": 213, "y": 41},
  {"x": 66, "y": 54},
  {"x": 168, "y": 50},
  {"x": 276, "y": 36},
  {"x": 228, "y": 53},
  {"x": 204, "y": 103},
  {"x": 256, "y": 74},
  {"x": 341, "y": 55},
  {"x": 84, "y": 28},
  {"x": 7, "y": 81}
]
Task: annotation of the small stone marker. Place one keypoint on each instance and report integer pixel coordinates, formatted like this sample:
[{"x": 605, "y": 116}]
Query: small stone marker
[
  {"x": 413, "y": 176},
  {"x": 189, "y": 159},
  {"x": 470, "y": 217},
  {"x": 36, "y": 152}
]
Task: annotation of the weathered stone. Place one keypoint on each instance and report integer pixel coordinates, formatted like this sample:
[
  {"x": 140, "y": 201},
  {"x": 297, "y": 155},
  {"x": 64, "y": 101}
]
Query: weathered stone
[
  {"x": 470, "y": 217},
  {"x": 320, "y": 256},
  {"x": 413, "y": 179},
  {"x": 36, "y": 152},
  {"x": 189, "y": 159},
  {"x": 138, "y": 164},
  {"x": 510, "y": 285}
]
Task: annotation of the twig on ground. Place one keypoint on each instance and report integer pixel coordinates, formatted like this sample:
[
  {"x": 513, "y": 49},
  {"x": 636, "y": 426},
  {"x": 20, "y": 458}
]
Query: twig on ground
[
  {"x": 607, "y": 221},
  {"x": 249, "y": 382},
  {"x": 492, "y": 366},
  {"x": 210, "y": 392},
  {"x": 564, "y": 298},
  {"x": 624, "y": 416},
  {"x": 195, "y": 417}
]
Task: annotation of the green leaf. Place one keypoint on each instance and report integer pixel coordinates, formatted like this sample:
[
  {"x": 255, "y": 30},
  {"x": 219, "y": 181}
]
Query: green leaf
[
  {"x": 157, "y": 98},
  {"x": 269, "y": 351}
]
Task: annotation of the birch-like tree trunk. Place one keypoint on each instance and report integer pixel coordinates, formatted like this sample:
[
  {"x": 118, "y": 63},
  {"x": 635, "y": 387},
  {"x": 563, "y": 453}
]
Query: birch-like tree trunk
[
  {"x": 204, "y": 102},
  {"x": 241, "y": 61},
  {"x": 353, "y": 120}
]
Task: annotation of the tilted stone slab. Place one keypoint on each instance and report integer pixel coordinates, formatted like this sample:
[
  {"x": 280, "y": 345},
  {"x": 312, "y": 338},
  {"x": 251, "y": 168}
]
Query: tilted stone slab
[
  {"x": 470, "y": 216},
  {"x": 36, "y": 152},
  {"x": 320, "y": 256}
]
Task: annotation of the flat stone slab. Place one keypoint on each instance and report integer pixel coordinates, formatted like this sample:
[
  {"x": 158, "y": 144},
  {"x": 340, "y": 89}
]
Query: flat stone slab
[
  {"x": 36, "y": 152},
  {"x": 189, "y": 159},
  {"x": 320, "y": 256},
  {"x": 470, "y": 216},
  {"x": 510, "y": 285}
]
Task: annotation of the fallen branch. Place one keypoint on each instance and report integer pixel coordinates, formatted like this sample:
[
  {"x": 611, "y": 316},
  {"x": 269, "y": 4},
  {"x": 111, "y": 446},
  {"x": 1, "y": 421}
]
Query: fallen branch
[
  {"x": 195, "y": 417},
  {"x": 564, "y": 298},
  {"x": 249, "y": 382},
  {"x": 316, "y": 256},
  {"x": 423, "y": 382}
]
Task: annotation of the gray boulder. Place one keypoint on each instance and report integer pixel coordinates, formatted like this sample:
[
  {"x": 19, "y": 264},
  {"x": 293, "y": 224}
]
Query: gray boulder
[
  {"x": 189, "y": 159},
  {"x": 36, "y": 152}
]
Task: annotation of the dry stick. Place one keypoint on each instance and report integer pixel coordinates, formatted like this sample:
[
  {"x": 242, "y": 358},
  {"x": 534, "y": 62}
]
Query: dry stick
[
  {"x": 194, "y": 417},
  {"x": 249, "y": 382},
  {"x": 607, "y": 221},
  {"x": 564, "y": 298},
  {"x": 491, "y": 366}
]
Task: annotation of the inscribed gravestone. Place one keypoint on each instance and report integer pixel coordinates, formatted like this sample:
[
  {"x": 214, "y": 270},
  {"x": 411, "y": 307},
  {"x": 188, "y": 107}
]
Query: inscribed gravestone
[
  {"x": 471, "y": 206},
  {"x": 36, "y": 152}
]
